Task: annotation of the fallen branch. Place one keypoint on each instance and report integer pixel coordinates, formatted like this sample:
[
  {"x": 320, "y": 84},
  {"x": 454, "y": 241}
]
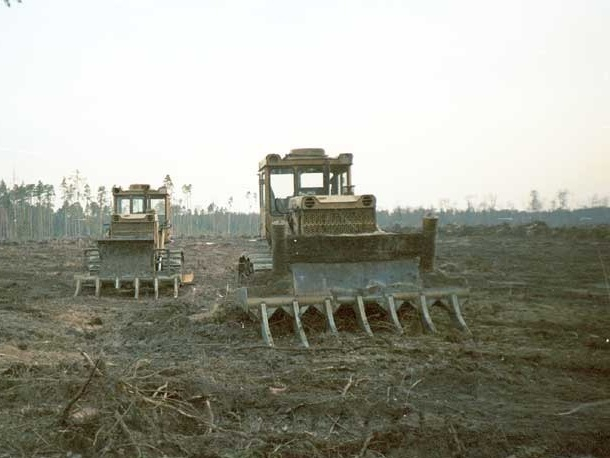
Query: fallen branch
[
  {"x": 346, "y": 388},
  {"x": 158, "y": 390},
  {"x": 280, "y": 446},
  {"x": 210, "y": 415},
  {"x": 126, "y": 432},
  {"x": 66, "y": 411},
  {"x": 458, "y": 443},
  {"x": 365, "y": 445},
  {"x": 166, "y": 404},
  {"x": 90, "y": 362},
  {"x": 417, "y": 382},
  {"x": 288, "y": 410},
  {"x": 344, "y": 428},
  {"x": 333, "y": 368},
  {"x": 332, "y": 427},
  {"x": 114, "y": 425},
  {"x": 586, "y": 405}
]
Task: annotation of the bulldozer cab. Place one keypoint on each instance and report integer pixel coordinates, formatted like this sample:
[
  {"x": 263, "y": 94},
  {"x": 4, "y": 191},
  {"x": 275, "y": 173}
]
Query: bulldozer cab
[
  {"x": 140, "y": 212},
  {"x": 302, "y": 172}
]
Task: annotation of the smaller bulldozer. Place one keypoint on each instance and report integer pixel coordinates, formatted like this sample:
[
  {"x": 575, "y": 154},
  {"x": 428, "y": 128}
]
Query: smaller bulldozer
[
  {"x": 321, "y": 249},
  {"x": 134, "y": 249}
]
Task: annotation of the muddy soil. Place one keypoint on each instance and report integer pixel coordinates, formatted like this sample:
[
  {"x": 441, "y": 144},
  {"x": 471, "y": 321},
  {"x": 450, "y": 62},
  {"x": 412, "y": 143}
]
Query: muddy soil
[{"x": 115, "y": 376}]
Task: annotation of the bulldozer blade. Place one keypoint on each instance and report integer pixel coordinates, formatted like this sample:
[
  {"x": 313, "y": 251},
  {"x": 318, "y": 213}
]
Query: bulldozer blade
[
  {"x": 356, "y": 278},
  {"x": 126, "y": 258}
]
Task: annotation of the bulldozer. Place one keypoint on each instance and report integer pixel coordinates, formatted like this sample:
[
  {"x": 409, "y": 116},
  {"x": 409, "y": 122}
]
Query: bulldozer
[
  {"x": 134, "y": 247},
  {"x": 321, "y": 249}
]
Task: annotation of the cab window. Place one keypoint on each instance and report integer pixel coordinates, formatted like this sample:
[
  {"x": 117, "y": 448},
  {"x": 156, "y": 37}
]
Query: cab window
[
  {"x": 137, "y": 205},
  {"x": 282, "y": 183},
  {"x": 311, "y": 181},
  {"x": 123, "y": 205},
  {"x": 158, "y": 205}
]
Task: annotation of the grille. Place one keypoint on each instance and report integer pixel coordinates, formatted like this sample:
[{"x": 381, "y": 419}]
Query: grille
[{"x": 354, "y": 221}]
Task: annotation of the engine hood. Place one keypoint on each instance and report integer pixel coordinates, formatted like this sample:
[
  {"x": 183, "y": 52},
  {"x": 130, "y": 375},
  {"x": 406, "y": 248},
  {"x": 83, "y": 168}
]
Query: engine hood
[{"x": 320, "y": 202}]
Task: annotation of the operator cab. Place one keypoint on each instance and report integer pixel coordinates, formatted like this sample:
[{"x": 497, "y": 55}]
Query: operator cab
[
  {"x": 303, "y": 172},
  {"x": 140, "y": 200}
]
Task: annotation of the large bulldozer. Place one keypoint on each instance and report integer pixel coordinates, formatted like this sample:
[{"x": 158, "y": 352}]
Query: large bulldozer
[
  {"x": 321, "y": 249},
  {"x": 134, "y": 249}
]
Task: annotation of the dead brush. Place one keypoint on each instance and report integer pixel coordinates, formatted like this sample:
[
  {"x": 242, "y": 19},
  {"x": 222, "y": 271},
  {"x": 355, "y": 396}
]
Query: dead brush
[{"x": 137, "y": 412}]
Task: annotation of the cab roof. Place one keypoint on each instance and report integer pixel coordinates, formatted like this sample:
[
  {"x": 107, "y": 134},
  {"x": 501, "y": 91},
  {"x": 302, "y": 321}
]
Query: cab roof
[
  {"x": 305, "y": 157},
  {"x": 140, "y": 190}
]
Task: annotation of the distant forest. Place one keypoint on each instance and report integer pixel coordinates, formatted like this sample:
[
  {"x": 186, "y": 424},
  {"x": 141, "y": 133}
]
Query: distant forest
[{"x": 27, "y": 212}]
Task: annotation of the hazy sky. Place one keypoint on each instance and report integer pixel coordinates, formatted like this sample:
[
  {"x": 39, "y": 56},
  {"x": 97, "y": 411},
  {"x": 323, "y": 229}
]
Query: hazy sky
[{"x": 436, "y": 99}]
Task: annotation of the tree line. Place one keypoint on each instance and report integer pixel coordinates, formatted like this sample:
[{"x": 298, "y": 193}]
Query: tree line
[
  {"x": 412, "y": 217},
  {"x": 28, "y": 212}
]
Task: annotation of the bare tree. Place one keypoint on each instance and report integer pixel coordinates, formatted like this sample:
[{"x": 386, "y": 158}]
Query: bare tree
[
  {"x": 169, "y": 185},
  {"x": 252, "y": 201},
  {"x": 562, "y": 199},
  {"x": 492, "y": 201},
  {"x": 535, "y": 204},
  {"x": 470, "y": 202},
  {"x": 187, "y": 190},
  {"x": 229, "y": 207}
]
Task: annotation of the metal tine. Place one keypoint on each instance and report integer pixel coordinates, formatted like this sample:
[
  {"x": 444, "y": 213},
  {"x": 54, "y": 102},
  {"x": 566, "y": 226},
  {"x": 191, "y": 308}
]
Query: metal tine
[
  {"x": 298, "y": 324},
  {"x": 156, "y": 287},
  {"x": 455, "y": 312},
  {"x": 176, "y": 287},
  {"x": 265, "y": 330},
  {"x": 78, "y": 287},
  {"x": 136, "y": 286},
  {"x": 329, "y": 311},
  {"x": 361, "y": 316},
  {"x": 117, "y": 283},
  {"x": 98, "y": 287},
  {"x": 424, "y": 315},
  {"x": 390, "y": 307}
]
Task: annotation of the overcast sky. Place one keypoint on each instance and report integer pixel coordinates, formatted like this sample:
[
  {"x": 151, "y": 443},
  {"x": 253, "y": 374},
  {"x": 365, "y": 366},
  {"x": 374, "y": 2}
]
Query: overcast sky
[{"x": 436, "y": 100}]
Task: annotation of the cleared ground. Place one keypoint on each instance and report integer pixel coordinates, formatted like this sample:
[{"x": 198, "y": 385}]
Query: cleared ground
[{"x": 190, "y": 377}]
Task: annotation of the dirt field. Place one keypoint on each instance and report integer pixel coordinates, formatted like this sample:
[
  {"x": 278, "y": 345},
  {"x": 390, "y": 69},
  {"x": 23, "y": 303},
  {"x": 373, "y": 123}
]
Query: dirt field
[{"x": 190, "y": 377}]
